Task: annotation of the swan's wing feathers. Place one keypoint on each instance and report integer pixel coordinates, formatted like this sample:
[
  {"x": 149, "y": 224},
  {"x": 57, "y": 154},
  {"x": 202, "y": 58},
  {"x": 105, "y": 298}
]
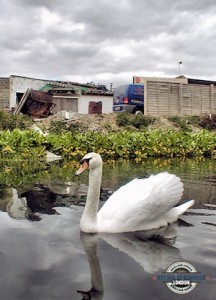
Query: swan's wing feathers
[
  {"x": 143, "y": 200},
  {"x": 165, "y": 191}
]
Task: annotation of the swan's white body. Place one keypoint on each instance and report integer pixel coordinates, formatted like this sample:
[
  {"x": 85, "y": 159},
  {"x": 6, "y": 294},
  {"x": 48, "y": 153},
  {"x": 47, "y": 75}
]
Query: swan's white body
[{"x": 141, "y": 204}]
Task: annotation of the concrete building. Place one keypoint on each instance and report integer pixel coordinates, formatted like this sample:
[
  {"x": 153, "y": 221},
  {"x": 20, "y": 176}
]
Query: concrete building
[{"x": 66, "y": 95}]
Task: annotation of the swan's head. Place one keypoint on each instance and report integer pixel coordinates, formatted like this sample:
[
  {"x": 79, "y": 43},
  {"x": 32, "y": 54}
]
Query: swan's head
[{"x": 90, "y": 161}]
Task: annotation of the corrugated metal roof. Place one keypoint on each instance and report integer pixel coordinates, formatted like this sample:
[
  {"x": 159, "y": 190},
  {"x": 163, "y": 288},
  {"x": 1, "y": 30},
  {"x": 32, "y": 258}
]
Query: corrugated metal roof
[{"x": 85, "y": 89}]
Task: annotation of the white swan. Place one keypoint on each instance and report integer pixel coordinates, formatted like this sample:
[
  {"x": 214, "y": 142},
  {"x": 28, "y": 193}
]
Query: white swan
[{"x": 141, "y": 204}]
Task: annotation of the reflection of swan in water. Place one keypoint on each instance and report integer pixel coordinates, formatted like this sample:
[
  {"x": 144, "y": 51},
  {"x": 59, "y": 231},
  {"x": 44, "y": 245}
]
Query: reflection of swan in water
[
  {"x": 89, "y": 243},
  {"x": 152, "y": 249}
]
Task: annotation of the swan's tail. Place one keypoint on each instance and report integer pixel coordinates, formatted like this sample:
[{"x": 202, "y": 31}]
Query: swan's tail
[{"x": 173, "y": 214}]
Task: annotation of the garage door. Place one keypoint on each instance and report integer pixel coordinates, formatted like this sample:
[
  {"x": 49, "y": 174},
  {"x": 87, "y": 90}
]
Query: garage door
[{"x": 65, "y": 103}]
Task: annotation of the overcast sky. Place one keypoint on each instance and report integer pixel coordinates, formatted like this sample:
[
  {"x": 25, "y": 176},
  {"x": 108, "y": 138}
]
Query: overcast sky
[{"x": 107, "y": 41}]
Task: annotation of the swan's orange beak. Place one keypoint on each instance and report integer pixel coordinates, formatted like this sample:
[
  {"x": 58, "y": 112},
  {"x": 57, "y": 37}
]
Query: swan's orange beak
[{"x": 82, "y": 168}]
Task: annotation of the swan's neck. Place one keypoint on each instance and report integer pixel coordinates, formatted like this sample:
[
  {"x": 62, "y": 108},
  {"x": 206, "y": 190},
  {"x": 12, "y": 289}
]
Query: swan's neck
[{"x": 88, "y": 221}]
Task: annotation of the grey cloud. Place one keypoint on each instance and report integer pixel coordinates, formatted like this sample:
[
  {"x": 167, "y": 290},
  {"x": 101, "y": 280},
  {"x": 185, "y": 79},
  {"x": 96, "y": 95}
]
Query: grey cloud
[{"x": 89, "y": 38}]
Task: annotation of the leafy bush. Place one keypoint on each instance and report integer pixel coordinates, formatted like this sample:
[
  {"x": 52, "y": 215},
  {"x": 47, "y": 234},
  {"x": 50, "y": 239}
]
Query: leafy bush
[
  {"x": 138, "y": 120},
  {"x": 207, "y": 122},
  {"x": 180, "y": 122},
  {"x": 123, "y": 119},
  {"x": 194, "y": 120},
  {"x": 59, "y": 126},
  {"x": 9, "y": 121}
]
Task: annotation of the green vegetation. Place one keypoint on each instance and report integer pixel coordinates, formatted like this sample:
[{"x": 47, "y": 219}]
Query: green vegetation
[
  {"x": 30, "y": 145},
  {"x": 57, "y": 127},
  {"x": 21, "y": 145},
  {"x": 24, "y": 145},
  {"x": 184, "y": 123},
  {"x": 138, "y": 121},
  {"x": 23, "y": 151},
  {"x": 10, "y": 122}
]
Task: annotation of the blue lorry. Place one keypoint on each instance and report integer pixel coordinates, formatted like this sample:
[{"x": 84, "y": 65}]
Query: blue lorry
[{"x": 129, "y": 98}]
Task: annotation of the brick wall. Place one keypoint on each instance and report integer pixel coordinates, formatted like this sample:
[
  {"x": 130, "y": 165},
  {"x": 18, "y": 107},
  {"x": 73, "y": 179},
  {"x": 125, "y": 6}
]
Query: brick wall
[{"x": 4, "y": 93}]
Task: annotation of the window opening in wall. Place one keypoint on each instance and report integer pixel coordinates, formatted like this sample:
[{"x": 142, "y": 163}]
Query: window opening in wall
[{"x": 19, "y": 97}]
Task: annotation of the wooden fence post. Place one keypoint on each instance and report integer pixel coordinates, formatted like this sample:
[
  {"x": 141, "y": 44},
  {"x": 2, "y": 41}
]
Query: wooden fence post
[
  {"x": 180, "y": 99},
  {"x": 212, "y": 99}
]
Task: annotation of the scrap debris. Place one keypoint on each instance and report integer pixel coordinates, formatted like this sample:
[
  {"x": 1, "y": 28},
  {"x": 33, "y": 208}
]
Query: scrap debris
[{"x": 35, "y": 103}]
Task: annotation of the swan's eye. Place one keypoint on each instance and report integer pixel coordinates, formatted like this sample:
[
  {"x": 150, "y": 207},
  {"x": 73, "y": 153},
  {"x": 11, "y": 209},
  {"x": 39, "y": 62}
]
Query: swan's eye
[{"x": 85, "y": 160}]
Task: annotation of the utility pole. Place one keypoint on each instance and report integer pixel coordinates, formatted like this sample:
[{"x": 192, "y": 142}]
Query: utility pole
[{"x": 180, "y": 63}]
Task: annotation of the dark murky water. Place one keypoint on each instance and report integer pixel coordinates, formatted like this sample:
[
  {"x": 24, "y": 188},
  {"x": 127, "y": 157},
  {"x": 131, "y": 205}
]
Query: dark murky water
[{"x": 43, "y": 255}]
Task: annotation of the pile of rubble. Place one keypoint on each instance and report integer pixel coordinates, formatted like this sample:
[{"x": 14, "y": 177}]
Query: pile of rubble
[{"x": 94, "y": 122}]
